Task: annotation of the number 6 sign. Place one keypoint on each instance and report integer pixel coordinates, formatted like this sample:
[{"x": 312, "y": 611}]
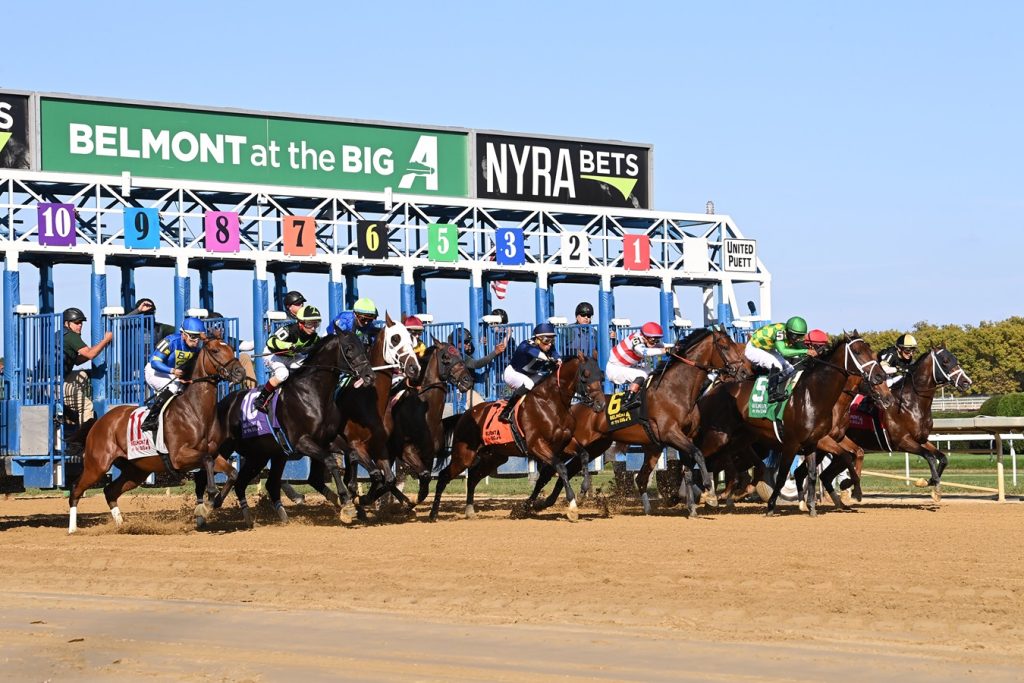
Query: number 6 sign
[{"x": 221, "y": 231}]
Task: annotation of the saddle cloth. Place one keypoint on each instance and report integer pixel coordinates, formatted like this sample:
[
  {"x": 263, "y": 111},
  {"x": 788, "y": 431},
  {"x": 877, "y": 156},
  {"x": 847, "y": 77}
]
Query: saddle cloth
[
  {"x": 760, "y": 408},
  {"x": 140, "y": 443},
  {"x": 254, "y": 422},
  {"x": 862, "y": 413},
  {"x": 496, "y": 432},
  {"x": 619, "y": 418}
]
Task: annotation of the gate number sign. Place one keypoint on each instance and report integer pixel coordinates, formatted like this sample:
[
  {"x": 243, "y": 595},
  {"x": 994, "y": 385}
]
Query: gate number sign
[
  {"x": 636, "y": 252},
  {"x": 299, "y": 235},
  {"x": 575, "y": 249},
  {"x": 443, "y": 241},
  {"x": 56, "y": 225},
  {"x": 221, "y": 231},
  {"x": 372, "y": 239},
  {"x": 141, "y": 228},
  {"x": 508, "y": 247}
]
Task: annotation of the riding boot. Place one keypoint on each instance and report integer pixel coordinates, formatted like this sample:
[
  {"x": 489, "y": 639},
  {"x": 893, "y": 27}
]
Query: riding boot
[
  {"x": 156, "y": 403},
  {"x": 262, "y": 400},
  {"x": 630, "y": 400},
  {"x": 506, "y": 412},
  {"x": 777, "y": 386}
]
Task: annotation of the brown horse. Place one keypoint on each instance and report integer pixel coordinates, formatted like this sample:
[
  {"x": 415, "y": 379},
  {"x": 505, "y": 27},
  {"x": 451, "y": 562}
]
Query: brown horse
[
  {"x": 192, "y": 434},
  {"x": 672, "y": 415},
  {"x": 908, "y": 421},
  {"x": 808, "y": 413},
  {"x": 546, "y": 423}
]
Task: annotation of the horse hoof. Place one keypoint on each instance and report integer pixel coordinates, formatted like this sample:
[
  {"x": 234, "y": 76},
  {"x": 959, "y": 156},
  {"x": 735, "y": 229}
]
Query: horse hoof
[
  {"x": 693, "y": 512},
  {"x": 300, "y": 499},
  {"x": 248, "y": 519},
  {"x": 282, "y": 515},
  {"x": 710, "y": 499},
  {"x": 730, "y": 503},
  {"x": 347, "y": 514},
  {"x": 573, "y": 512},
  {"x": 813, "y": 512},
  {"x": 769, "y": 513},
  {"x": 200, "y": 523},
  {"x": 333, "y": 499},
  {"x": 803, "y": 506},
  {"x": 936, "y": 495},
  {"x": 470, "y": 512}
]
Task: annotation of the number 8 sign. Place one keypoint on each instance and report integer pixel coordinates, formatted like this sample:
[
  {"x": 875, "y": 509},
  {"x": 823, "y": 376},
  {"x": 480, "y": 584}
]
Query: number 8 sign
[{"x": 221, "y": 231}]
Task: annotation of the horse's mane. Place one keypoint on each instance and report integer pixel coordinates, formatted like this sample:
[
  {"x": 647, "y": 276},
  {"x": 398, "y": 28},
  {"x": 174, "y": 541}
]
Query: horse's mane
[
  {"x": 314, "y": 353},
  {"x": 692, "y": 339}
]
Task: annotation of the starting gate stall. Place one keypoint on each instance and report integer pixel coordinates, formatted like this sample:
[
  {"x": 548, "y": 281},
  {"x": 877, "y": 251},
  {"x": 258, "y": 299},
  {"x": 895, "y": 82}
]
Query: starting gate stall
[
  {"x": 36, "y": 411},
  {"x": 127, "y": 357},
  {"x": 209, "y": 190},
  {"x": 494, "y": 381}
]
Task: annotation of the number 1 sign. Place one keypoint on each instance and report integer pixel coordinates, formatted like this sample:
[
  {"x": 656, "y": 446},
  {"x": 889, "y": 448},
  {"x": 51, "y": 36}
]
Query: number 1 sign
[{"x": 636, "y": 252}]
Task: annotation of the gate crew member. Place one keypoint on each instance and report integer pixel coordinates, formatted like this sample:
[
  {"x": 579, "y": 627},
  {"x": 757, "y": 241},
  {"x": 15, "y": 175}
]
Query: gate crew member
[
  {"x": 532, "y": 359},
  {"x": 286, "y": 350},
  {"x": 897, "y": 359},
  {"x": 626, "y": 356},
  {"x": 77, "y": 390},
  {"x": 293, "y": 301},
  {"x": 172, "y": 358},
  {"x": 361, "y": 321}
]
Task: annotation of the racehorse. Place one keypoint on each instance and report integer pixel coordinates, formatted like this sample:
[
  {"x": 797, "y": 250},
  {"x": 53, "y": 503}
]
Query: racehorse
[
  {"x": 365, "y": 422},
  {"x": 671, "y": 412},
  {"x": 807, "y": 417},
  {"x": 191, "y": 431},
  {"x": 418, "y": 433},
  {"x": 908, "y": 421},
  {"x": 546, "y": 426},
  {"x": 306, "y": 411}
]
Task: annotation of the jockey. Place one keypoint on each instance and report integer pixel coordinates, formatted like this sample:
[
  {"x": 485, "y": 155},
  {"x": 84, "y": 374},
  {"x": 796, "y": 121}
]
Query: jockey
[
  {"x": 172, "y": 359},
  {"x": 293, "y": 301},
  {"x": 286, "y": 349},
  {"x": 897, "y": 359},
  {"x": 532, "y": 358},
  {"x": 415, "y": 327},
  {"x": 361, "y": 321},
  {"x": 816, "y": 340},
  {"x": 623, "y": 360},
  {"x": 773, "y": 345}
]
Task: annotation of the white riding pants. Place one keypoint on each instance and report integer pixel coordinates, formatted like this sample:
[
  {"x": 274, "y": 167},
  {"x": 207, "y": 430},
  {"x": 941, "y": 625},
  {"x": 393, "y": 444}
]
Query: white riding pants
[
  {"x": 516, "y": 379},
  {"x": 767, "y": 359},
  {"x": 624, "y": 374},
  {"x": 281, "y": 366},
  {"x": 157, "y": 380}
]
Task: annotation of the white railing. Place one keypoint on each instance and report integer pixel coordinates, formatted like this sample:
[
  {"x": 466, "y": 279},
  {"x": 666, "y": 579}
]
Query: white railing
[{"x": 948, "y": 403}]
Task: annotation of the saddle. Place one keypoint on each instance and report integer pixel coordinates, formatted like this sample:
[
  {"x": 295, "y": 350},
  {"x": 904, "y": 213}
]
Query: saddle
[
  {"x": 142, "y": 443},
  {"x": 497, "y": 433},
  {"x": 255, "y": 423},
  {"x": 864, "y": 415},
  {"x": 761, "y": 404},
  {"x": 619, "y": 416}
]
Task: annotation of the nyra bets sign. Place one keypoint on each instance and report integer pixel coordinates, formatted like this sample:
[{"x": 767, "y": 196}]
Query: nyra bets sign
[{"x": 563, "y": 171}]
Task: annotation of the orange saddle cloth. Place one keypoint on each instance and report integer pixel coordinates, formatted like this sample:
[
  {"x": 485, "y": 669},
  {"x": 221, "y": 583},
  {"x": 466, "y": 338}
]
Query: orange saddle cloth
[{"x": 496, "y": 432}]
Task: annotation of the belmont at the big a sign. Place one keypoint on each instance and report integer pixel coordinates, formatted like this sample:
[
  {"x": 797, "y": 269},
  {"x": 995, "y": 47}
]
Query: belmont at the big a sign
[{"x": 587, "y": 172}]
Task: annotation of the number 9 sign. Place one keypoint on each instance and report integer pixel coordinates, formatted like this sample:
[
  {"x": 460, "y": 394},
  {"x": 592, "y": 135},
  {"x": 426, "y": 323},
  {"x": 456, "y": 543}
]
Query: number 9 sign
[
  {"x": 221, "y": 231},
  {"x": 141, "y": 228},
  {"x": 508, "y": 247}
]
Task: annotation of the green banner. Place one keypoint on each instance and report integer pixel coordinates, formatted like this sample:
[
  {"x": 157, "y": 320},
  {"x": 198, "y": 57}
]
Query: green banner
[{"x": 149, "y": 141}]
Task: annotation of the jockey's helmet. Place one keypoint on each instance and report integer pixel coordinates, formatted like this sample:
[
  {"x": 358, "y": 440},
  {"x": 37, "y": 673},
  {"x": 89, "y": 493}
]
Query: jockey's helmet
[
  {"x": 365, "y": 306},
  {"x": 293, "y": 298},
  {"x": 500, "y": 312},
  {"x": 544, "y": 330},
  {"x": 462, "y": 339},
  {"x": 308, "y": 314},
  {"x": 585, "y": 309},
  {"x": 413, "y": 324},
  {"x": 906, "y": 341},
  {"x": 652, "y": 331},
  {"x": 796, "y": 326},
  {"x": 74, "y": 315},
  {"x": 192, "y": 326},
  {"x": 816, "y": 337}
]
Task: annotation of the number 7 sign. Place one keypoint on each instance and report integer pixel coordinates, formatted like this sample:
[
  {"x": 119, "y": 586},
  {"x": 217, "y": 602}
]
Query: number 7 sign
[{"x": 299, "y": 236}]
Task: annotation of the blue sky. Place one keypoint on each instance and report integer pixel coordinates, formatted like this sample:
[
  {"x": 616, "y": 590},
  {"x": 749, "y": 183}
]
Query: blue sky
[{"x": 873, "y": 149}]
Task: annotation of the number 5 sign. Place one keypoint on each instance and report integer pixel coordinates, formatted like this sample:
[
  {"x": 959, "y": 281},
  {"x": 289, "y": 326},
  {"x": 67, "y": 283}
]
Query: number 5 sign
[{"x": 443, "y": 241}]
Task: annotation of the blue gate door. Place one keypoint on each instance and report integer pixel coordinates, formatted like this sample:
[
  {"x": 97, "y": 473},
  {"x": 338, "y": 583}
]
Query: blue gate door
[
  {"x": 38, "y": 397},
  {"x": 127, "y": 357}
]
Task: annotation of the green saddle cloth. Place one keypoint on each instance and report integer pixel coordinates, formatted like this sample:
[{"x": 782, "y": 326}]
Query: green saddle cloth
[{"x": 760, "y": 407}]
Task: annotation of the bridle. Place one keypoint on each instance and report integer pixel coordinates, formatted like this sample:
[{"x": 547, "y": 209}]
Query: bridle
[
  {"x": 221, "y": 371},
  {"x": 866, "y": 370},
  {"x": 398, "y": 355},
  {"x": 446, "y": 372},
  {"x": 947, "y": 377}
]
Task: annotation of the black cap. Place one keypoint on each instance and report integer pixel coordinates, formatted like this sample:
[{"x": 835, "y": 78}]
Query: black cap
[
  {"x": 73, "y": 315},
  {"x": 585, "y": 309},
  {"x": 500, "y": 312},
  {"x": 292, "y": 298}
]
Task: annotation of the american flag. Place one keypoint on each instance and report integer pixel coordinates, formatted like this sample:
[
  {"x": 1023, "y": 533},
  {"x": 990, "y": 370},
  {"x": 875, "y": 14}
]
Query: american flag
[{"x": 499, "y": 287}]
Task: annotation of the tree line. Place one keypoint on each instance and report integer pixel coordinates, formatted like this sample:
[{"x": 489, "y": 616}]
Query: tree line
[{"x": 991, "y": 353}]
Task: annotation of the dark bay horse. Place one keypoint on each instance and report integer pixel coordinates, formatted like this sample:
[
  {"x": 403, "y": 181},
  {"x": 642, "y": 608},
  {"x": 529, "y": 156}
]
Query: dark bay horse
[
  {"x": 547, "y": 427},
  {"x": 192, "y": 434},
  {"x": 808, "y": 413},
  {"x": 908, "y": 421},
  {"x": 672, "y": 415},
  {"x": 307, "y": 414},
  {"x": 418, "y": 434}
]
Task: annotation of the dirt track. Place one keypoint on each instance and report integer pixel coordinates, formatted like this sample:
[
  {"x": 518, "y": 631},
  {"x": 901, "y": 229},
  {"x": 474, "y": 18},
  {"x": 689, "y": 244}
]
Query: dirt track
[{"x": 891, "y": 592}]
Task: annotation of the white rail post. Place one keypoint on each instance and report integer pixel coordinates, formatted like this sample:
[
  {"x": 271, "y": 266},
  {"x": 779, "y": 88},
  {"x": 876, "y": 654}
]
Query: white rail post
[
  {"x": 1001, "y": 484},
  {"x": 1013, "y": 459},
  {"x": 906, "y": 459}
]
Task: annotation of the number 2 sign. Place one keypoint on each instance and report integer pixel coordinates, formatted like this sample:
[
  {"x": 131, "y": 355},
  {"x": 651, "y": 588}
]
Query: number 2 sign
[
  {"x": 575, "y": 249},
  {"x": 221, "y": 231},
  {"x": 299, "y": 236}
]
